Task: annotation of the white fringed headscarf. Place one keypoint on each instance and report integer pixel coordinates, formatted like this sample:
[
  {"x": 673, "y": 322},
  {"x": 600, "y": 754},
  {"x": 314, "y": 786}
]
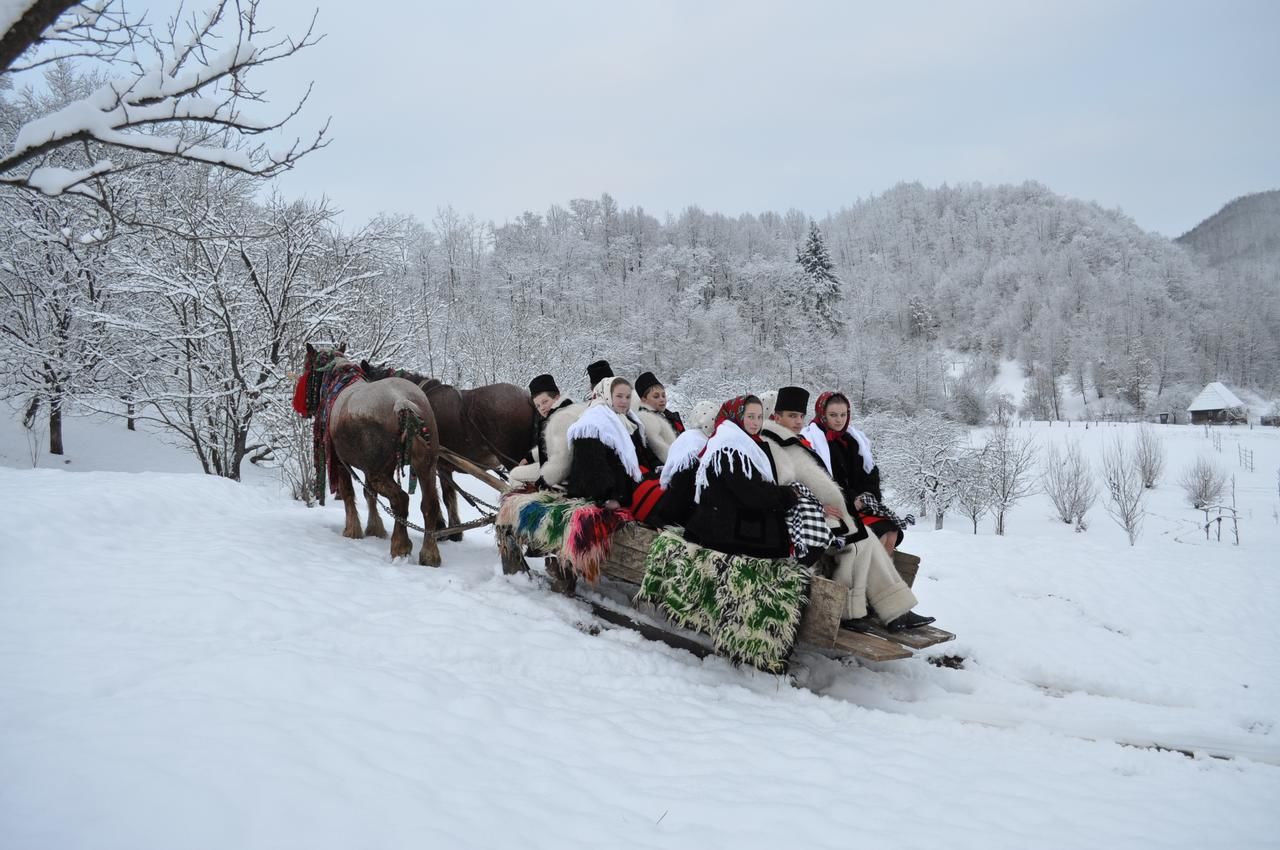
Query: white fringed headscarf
[
  {"x": 600, "y": 422},
  {"x": 731, "y": 445},
  {"x": 682, "y": 455}
]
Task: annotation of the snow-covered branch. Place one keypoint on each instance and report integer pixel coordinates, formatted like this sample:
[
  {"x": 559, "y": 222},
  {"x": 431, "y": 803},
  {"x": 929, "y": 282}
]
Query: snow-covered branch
[{"x": 192, "y": 100}]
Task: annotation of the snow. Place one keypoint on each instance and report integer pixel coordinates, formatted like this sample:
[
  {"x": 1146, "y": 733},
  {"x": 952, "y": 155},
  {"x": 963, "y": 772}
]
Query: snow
[
  {"x": 193, "y": 663},
  {"x": 1010, "y": 381},
  {"x": 1215, "y": 396},
  {"x": 54, "y": 180}
]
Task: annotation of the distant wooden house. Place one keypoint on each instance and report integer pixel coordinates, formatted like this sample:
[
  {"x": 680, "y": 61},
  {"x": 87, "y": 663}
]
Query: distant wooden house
[{"x": 1217, "y": 404}]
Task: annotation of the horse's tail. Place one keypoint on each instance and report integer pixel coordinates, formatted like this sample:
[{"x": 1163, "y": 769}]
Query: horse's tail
[{"x": 411, "y": 427}]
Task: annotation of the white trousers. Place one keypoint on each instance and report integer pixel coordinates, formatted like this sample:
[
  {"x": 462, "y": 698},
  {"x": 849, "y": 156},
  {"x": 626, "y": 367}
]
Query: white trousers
[{"x": 867, "y": 570}]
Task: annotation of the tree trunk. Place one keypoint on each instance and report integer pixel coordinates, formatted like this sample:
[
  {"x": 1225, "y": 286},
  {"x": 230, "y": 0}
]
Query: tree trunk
[
  {"x": 55, "y": 426},
  {"x": 937, "y": 521},
  {"x": 1000, "y": 523}
]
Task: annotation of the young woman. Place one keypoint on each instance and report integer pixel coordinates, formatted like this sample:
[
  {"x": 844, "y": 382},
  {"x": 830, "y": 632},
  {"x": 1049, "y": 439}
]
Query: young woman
[
  {"x": 741, "y": 504},
  {"x": 609, "y": 455},
  {"x": 861, "y": 562},
  {"x": 846, "y": 451}
]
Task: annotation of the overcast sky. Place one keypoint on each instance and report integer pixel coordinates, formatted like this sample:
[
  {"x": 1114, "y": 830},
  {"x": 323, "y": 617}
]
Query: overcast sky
[{"x": 1164, "y": 109}]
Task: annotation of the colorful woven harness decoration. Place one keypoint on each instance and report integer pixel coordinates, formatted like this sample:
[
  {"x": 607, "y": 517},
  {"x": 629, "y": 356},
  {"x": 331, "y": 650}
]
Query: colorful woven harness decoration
[{"x": 334, "y": 378}]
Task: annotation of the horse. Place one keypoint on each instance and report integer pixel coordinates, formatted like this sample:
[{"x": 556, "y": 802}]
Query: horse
[
  {"x": 376, "y": 428},
  {"x": 492, "y": 426}
]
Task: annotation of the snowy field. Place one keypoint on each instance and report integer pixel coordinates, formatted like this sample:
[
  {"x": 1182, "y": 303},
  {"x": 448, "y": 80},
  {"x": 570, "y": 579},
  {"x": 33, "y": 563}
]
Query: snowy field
[{"x": 192, "y": 663}]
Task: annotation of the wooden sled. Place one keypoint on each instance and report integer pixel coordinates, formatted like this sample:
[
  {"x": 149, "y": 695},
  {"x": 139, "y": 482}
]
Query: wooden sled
[{"x": 820, "y": 629}]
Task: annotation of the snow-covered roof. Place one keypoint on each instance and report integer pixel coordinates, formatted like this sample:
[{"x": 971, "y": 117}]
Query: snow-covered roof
[{"x": 1215, "y": 396}]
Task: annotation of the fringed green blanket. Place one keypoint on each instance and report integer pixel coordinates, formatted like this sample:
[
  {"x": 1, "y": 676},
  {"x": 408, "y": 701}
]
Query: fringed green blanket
[{"x": 751, "y": 607}]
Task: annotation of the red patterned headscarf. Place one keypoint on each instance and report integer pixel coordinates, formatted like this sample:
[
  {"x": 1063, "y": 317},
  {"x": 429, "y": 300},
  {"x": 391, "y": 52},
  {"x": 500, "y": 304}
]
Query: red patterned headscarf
[
  {"x": 734, "y": 410},
  {"x": 820, "y": 413}
]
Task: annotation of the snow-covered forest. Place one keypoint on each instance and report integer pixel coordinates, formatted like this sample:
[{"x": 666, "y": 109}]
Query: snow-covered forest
[
  {"x": 190, "y": 299},
  {"x": 149, "y": 270}
]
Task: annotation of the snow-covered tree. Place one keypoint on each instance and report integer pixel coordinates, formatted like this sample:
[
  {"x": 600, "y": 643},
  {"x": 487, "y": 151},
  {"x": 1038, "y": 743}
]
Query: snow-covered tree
[
  {"x": 973, "y": 486},
  {"x": 819, "y": 288},
  {"x": 921, "y": 455},
  {"x": 1010, "y": 472},
  {"x": 1068, "y": 480},
  {"x": 184, "y": 91},
  {"x": 1125, "y": 492}
]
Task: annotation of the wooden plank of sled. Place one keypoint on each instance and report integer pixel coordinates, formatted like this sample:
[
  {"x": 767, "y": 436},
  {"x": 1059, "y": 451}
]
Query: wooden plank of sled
[
  {"x": 914, "y": 638},
  {"x": 907, "y": 566},
  {"x": 867, "y": 646},
  {"x": 628, "y": 551},
  {"x": 651, "y": 632},
  {"x": 479, "y": 472},
  {"x": 510, "y": 551},
  {"x": 821, "y": 621}
]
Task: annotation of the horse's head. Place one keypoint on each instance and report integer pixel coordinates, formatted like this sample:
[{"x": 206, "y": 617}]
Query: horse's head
[{"x": 321, "y": 360}]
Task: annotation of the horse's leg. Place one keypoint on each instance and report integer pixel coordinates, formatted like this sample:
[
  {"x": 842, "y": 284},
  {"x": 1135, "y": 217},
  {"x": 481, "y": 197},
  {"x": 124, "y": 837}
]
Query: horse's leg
[
  {"x": 374, "y": 527},
  {"x": 386, "y": 486},
  {"x": 450, "y": 489},
  {"x": 427, "y": 467},
  {"x": 348, "y": 495}
]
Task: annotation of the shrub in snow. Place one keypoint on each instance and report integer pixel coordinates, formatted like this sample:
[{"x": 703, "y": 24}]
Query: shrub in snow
[
  {"x": 973, "y": 487},
  {"x": 1068, "y": 481},
  {"x": 1010, "y": 472},
  {"x": 1203, "y": 482},
  {"x": 1125, "y": 491},
  {"x": 1149, "y": 454}
]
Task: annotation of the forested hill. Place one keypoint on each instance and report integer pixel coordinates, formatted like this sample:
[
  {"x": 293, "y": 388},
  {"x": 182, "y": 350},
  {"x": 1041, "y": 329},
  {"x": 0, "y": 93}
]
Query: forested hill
[
  {"x": 931, "y": 283},
  {"x": 1247, "y": 228}
]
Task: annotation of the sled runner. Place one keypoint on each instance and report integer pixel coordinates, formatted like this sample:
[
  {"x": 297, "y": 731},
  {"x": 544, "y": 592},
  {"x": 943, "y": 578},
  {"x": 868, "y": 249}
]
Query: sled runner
[{"x": 754, "y": 611}]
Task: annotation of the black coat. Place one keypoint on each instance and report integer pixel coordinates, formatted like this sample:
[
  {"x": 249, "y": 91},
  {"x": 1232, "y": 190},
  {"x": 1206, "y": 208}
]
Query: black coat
[
  {"x": 846, "y": 469},
  {"x": 596, "y": 472},
  {"x": 676, "y": 505},
  {"x": 743, "y": 515}
]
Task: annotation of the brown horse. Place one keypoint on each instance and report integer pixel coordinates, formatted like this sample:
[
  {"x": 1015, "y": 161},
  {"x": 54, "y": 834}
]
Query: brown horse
[
  {"x": 491, "y": 426},
  {"x": 367, "y": 426}
]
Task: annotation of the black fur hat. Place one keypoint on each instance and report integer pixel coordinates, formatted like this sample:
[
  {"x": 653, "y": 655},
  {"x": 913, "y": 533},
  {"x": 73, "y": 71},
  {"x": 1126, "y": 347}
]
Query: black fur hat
[
  {"x": 543, "y": 384},
  {"x": 598, "y": 371},
  {"x": 646, "y": 382},
  {"x": 792, "y": 399}
]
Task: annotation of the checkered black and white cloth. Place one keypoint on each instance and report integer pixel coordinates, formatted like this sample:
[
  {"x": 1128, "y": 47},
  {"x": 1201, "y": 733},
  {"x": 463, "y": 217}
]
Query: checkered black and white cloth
[
  {"x": 871, "y": 506},
  {"x": 807, "y": 523}
]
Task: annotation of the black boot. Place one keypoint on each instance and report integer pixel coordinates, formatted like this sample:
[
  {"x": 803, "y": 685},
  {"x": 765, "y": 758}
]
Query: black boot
[
  {"x": 909, "y": 620},
  {"x": 859, "y": 624}
]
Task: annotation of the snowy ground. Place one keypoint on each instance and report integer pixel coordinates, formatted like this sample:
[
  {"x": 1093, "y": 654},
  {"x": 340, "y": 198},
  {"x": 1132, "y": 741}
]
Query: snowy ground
[{"x": 191, "y": 663}]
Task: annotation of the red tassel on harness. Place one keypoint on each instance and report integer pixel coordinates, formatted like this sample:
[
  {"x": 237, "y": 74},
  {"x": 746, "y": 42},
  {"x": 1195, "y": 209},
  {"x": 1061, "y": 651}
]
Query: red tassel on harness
[{"x": 300, "y": 395}]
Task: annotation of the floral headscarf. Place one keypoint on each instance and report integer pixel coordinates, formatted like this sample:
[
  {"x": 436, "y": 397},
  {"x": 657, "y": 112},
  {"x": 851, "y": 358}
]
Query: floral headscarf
[
  {"x": 735, "y": 410},
  {"x": 820, "y": 408},
  {"x": 849, "y": 434}
]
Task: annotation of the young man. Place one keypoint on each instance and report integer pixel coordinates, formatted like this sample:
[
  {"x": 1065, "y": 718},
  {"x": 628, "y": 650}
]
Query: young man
[
  {"x": 597, "y": 372},
  {"x": 661, "y": 426},
  {"x": 546, "y": 401},
  {"x": 862, "y": 564}
]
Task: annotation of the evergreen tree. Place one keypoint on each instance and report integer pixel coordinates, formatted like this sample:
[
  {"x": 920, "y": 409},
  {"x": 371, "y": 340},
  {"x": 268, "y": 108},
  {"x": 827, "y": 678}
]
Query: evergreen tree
[{"x": 819, "y": 286}]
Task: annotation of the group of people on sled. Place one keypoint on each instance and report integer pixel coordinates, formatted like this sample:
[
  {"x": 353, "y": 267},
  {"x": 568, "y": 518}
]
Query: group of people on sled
[{"x": 787, "y": 483}]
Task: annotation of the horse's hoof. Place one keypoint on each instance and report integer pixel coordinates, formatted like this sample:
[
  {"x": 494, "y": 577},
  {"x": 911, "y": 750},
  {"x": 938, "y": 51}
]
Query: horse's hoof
[
  {"x": 353, "y": 533},
  {"x": 424, "y": 559},
  {"x": 380, "y": 533},
  {"x": 455, "y": 538}
]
